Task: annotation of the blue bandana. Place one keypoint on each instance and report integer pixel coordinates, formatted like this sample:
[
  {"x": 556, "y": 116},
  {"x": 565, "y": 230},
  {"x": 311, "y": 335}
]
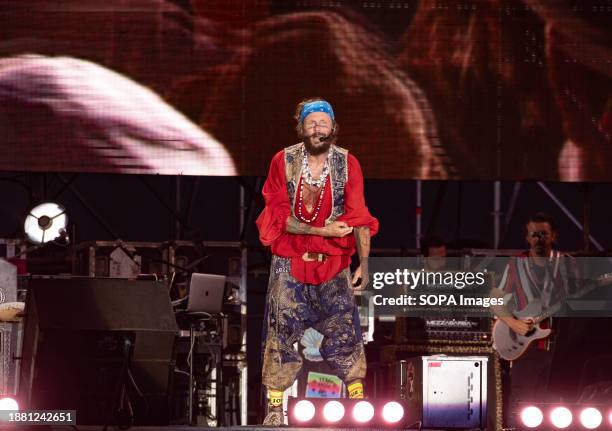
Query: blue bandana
[{"x": 318, "y": 106}]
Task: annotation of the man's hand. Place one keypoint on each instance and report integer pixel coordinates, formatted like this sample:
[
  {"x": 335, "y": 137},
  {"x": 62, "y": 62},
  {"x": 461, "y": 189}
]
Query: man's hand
[
  {"x": 337, "y": 229},
  {"x": 521, "y": 327},
  {"x": 11, "y": 311},
  {"x": 356, "y": 276}
]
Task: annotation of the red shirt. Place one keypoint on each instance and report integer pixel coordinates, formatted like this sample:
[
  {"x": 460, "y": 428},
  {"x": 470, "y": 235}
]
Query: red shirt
[
  {"x": 272, "y": 223},
  {"x": 513, "y": 284}
]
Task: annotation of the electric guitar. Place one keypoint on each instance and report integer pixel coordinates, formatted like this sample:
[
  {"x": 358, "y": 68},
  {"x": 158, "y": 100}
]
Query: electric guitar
[{"x": 511, "y": 345}]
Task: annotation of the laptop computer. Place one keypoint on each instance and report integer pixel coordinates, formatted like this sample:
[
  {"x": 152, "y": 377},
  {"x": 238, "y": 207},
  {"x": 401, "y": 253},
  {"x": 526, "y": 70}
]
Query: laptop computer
[{"x": 206, "y": 293}]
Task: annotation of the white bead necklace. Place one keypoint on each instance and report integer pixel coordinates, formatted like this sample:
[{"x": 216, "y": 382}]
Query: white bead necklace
[{"x": 307, "y": 173}]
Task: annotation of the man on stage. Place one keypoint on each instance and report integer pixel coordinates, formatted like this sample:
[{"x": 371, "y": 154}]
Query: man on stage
[
  {"x": 314, "y": 202},
  {"x": 541, "y": 274}
]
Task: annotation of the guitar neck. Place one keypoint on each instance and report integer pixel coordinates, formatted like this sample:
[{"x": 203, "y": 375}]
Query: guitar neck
[{"x": 549, "y": 312}]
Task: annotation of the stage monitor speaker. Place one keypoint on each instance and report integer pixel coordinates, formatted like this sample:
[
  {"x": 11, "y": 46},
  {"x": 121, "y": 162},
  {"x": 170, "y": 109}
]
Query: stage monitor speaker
[{"x": 74, "y": 348}]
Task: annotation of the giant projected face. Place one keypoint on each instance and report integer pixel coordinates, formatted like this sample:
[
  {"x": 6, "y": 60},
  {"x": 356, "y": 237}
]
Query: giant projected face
[{"x": 421, "y": 89}]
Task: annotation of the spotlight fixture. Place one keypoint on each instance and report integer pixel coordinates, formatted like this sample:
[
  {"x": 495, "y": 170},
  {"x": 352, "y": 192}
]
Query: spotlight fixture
[
  {"x": 561, "y": 417},
  {"x": 591, "y": 418},
  {"x": 532, "y": 417},
  {"x": 46, "y": 222},
  {"x": 572, "y": 416},
  {"x": 304, "y": 411},
  {"x": 347, "y": 413},
  {"x": 363, "y": 412},
  {"x": 333, "y": 411},
  {"x": 393, "y": 412},
  {"x": 8, "y": 403}
]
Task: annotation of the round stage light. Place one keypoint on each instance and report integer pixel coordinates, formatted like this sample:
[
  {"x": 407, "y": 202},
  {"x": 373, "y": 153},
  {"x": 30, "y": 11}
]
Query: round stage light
[
  {"x": 363, "y": 412},
  {"x": 8, "y": 403},
  {"x": 532, "y": 417},
  {"x": 333, "y": 411},
  {"x": 591, "y": 418},
  {"x": 561, "y": 417},
  {"x": 393, "y": 412},
  {"x": 304, "y": 410},
  {"x": 46, "y": 222}
]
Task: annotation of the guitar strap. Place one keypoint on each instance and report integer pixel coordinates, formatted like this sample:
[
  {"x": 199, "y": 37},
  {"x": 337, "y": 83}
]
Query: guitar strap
[{"x": 541, "y": 286}]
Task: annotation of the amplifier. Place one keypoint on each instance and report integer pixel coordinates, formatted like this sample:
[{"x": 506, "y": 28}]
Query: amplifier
[{"x": 426, "y": 330}]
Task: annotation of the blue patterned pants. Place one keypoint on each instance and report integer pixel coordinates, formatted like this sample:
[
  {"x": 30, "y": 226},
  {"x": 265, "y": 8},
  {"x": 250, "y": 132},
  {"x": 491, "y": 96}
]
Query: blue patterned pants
[{"x": 292, "y": 307}]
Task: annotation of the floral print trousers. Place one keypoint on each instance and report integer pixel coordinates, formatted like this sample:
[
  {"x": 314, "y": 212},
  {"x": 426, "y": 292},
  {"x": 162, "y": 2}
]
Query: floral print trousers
[{"x": 292, "y": 307}]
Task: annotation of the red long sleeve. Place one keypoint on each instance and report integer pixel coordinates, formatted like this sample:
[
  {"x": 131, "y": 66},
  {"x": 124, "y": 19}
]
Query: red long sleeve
[
  {"x": 356, "y": 212},
  {"x": 272, "y": 221}
]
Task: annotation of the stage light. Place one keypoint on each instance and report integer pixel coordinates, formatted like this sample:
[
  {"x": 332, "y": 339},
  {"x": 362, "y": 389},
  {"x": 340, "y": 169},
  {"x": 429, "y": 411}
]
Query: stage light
[
  {"x": 561, "y": 417},
  {"x": 46, "y": 222},
  {"x": 363, "y": 412},
  {"x": 392, "y": 412},
  {"x": 333, "y": 411},
  {"x": 532, "y": 417},
  {"x": 8, "y": 403},
  {"x": 346, "y": 412},
  {"x": 591, "y": 418},
  {"x": 304, "y": 410}
]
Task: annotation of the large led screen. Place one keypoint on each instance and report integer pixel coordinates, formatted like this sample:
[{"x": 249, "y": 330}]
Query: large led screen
[{"x": 485, "y": 89}]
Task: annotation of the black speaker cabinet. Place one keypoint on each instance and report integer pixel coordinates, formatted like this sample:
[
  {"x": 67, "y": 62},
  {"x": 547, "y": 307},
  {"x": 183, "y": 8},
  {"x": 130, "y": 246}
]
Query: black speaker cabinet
[{"x": 74, "y": 347}]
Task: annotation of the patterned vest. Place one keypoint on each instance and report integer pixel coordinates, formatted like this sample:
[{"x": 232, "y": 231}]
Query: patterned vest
[{"x": 338, "y": 176}]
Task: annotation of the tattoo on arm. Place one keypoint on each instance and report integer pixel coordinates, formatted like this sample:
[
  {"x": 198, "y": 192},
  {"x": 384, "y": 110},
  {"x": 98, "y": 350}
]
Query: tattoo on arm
[
  {"x": 362, "y": 240},
  {"x": 295, "y": 226}
]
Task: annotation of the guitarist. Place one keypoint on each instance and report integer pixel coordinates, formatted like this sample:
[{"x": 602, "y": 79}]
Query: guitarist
[{"x": 541, "y": 273}]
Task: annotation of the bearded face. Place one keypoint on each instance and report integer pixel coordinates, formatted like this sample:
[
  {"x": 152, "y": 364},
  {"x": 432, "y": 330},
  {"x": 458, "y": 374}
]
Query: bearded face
[
  {"x": 316, "y": 126},
  {"x": 540, "y": 237},
  {"x": 314, "y": 146}
]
